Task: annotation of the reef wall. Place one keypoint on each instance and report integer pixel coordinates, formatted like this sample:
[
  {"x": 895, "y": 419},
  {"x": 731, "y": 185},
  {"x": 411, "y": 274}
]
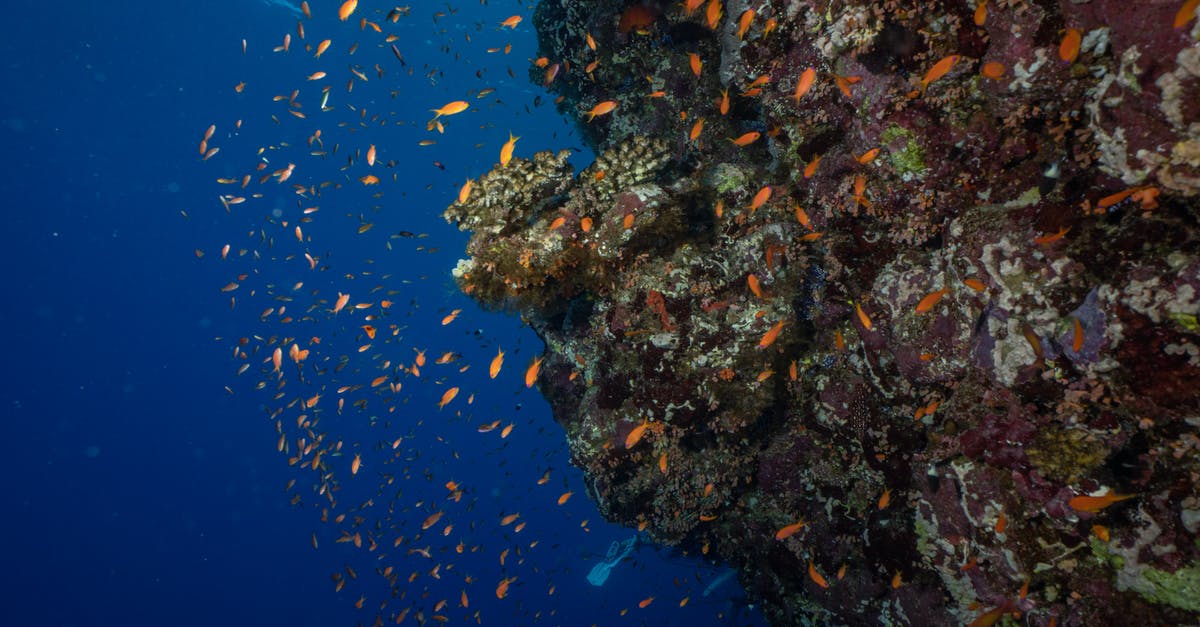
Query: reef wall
[{"x": 890, "y": 305}]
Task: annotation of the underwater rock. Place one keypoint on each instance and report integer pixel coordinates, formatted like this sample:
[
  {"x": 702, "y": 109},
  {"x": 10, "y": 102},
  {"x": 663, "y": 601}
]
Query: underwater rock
[{"x": 873, "y": 301}]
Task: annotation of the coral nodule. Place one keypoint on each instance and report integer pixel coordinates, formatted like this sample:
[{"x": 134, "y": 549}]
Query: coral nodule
[{"x": 890, "y": 306}]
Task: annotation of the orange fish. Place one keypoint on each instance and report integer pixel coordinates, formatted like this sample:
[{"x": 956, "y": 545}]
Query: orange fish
[
  {"x": 724, "y": 104},
  {"x": 347, "y": 9},
  {"x": 755, "y": 289},
  {"x": 931, "y": 299},
  {"x": 506, "y": 151},
  {"x": 464, "y": 192},
  {"x": 747, "y": 139},
  {"x": 694, "y": 61},
  {"x": 885, "y": 499},
  {"x": 447, "y": 396},
  {"x": 867, "y": 156},
  {"x": 744, "y": 22},
  {"x": 690, "y": 6},
  {"x": 805, "y": 83},
  {"x": 531, "y": 373},
  {"x": 564, "y": 497},
  {"x": 862, "y": 317},
  {"x": 1186, "y": 13},
  {"x": 342, "y": 299},
  {"x": 981, "y": 13},
  {"x": 788, "y": 531},
  {"x": 975, "y": 284},
  {"x": 355, "y": 464},
  {"x": 431, "y": 520},
  {"x": 811, "y": 168},
  {"x": 1068, "y": 49},
  {"x": 1077, "y": 340},
  {"x": 939, "y": 69},
  {"x": 635, "y": 435},
  {"x": 816, "y": 576},
  {"x": 511, "y": 22},
  {"x": 761, "y": 197},
  {"x": 451, "y": 108},
  {"x": 1093, "y": 504},
  {"x": 497, "y": 361},
  {"x": 602, "y": 109},
  {"x": 1050, "y": 238},
  {"x": 713, "y": 13},
  {"x": 322, "y": 47},
  {"x": 502, "y": 587},
  {"x": 771, "y": 335},
  {"x": 450, "y": 317},
  {"x": 696, "y": 129}
]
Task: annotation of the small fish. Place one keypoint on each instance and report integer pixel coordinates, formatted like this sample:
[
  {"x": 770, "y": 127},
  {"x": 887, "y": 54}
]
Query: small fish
[
  {"x": 506, "y": 151},
  {"x": 1077, "y": 338},
  {"x": 1186, "y": 13},
  {"x": 695, "y": 62},
  {"x": 811, "y": 168},
  {"x": 761, "y": 197},
  {"x": 771, "y": 335},
  {"x": 1050, "y": 238},
  {"x": 531, "y": 373},
  {"x": 635, "y": 435},
  {"x": 347, "y": 9},
  {"x": 788, "y": 531},
  {"x": 805, "y": 83},
  {"x": 511, "y": 22},
  {"x": 885, "y": 499},
  {"x": 816, "y": 576},
  {"x": 451, "y": 108},
  {"x": 862, "y": 317},
  {"x": 931, "y": 299},
  {"x": 992, "y": 70},
  {"x": 981, "y": 13},
  {"x": 746, "y": 139},
  {"x": 939, "y": 69},
  {"x": 755, "y": 288},
  {"x": 603, "y": 108},
  {"x": 744, "y": 22},
  {"x": 1068, "y": 49},
  {"x": 497, "y": 362},
  {"x": 447, "y": 396},
  {"x": 868, "y": 156},
  {"x": 1093, "y": 504}
]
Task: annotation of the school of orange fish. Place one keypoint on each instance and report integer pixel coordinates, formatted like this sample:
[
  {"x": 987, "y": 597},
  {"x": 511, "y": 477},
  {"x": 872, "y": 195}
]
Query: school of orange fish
[{"x": 308, "y": 387}]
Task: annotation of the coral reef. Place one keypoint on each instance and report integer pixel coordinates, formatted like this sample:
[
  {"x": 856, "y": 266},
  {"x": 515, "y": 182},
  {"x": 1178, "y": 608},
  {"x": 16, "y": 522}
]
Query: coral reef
[{"x": 887, "y": 305}]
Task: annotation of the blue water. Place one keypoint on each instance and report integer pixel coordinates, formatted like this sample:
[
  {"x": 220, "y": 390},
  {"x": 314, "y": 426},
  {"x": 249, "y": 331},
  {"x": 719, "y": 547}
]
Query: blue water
[{"x": 143, "y": 482}]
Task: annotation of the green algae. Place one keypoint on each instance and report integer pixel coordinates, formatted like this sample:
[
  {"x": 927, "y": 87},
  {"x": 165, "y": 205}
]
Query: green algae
[
  {"x": 909, "y": 160},
  {"x": 1179, "y": 589}
]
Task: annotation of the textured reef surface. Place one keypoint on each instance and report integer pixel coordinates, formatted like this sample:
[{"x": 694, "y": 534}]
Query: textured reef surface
[{"x": 893, "y": 306}]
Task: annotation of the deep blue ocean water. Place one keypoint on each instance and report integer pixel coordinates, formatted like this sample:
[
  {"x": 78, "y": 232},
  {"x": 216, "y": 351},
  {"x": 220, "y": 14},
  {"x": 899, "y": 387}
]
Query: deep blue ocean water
[{"x": 142, "y": 491}]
